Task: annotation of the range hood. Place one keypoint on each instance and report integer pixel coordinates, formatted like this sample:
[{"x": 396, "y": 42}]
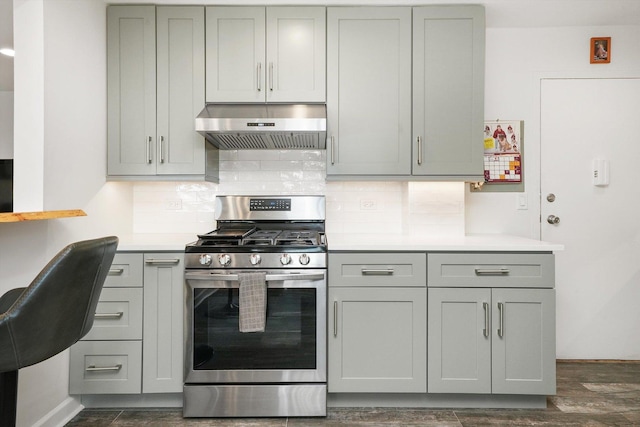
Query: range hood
[{"x": 264, "y": 126}]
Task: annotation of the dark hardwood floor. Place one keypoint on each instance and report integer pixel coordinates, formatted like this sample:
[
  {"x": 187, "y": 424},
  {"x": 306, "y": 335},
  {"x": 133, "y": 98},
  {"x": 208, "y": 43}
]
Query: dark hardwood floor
[{"x": 594, "y": 393}]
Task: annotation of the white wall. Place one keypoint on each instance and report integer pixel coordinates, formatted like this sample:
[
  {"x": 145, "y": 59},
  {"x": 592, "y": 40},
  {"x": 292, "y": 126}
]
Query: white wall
[
  {"x": 72, "y": 139},
  {"x": 516, "y": 59}
]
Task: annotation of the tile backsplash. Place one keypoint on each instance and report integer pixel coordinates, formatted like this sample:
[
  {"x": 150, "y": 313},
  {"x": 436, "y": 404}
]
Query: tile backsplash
[{"x": 436, "y": 208}]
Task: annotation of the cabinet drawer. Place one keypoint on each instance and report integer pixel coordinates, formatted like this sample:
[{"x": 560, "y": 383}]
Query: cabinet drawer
[
  {"x": 377, "y": 269},
  {"x": 125, "y": 271},
  {"x": 105, "y": 367},
  {"x": 118, "y": 315},
  {"x": 513, "y": 270}
]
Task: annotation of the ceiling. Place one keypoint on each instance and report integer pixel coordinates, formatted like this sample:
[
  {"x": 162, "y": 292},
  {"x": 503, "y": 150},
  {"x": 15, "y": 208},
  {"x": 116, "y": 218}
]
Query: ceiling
[{"x": 499, "y": 13}]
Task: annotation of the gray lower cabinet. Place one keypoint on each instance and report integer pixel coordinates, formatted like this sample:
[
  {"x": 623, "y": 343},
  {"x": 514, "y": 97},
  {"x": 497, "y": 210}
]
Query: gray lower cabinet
[
  {"x": 483, "y": 325},
  {"x": 163, "y": 346},
  {"x": 491, "y": 323},
  {"x": 155, "y": 89},
  {"x": 377, "y": 323},
  {"x": 135, "y": 344},
  {"x": 491, "y": 341}
]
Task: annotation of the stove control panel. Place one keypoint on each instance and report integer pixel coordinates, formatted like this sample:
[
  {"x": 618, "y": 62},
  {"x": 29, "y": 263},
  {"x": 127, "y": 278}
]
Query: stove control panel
[
  {"x": 263, "y": 260},
  {"x": 270, "y": 204}
]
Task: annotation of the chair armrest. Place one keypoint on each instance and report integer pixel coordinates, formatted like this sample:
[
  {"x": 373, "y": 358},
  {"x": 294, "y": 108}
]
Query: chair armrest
[{"x": 7, "y": 300}]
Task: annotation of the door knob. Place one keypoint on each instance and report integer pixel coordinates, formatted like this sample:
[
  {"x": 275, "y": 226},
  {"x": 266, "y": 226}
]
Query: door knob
[{"x": 552, "y": 219}]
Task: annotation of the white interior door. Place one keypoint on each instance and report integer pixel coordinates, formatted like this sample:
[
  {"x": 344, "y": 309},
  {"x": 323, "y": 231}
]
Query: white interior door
[{"x": 598, "y": 273}]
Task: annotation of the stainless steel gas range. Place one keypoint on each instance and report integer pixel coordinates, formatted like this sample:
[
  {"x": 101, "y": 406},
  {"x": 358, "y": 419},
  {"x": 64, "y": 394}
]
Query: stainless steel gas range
[{"x": 276, "y": 243}]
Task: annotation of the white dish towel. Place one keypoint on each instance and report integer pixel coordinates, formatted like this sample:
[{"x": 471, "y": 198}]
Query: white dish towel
[{"x": 253, "y": 301}]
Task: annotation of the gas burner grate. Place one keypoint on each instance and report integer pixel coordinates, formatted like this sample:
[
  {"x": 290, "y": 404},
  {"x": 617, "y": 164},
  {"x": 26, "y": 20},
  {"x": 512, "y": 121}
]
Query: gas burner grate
[
  {"x": 261, "y": 238},
  {"x": 298, "y": 238}
]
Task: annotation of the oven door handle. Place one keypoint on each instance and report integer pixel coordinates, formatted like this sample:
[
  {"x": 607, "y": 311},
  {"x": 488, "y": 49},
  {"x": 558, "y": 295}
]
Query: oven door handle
[{"x": 268, "y": 278}]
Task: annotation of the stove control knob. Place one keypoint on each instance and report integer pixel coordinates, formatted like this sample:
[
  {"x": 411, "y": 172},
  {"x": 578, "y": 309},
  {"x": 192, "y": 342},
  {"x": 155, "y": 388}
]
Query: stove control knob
[
  {"x": 285, "y": 259},
  {"x": 304, "y": 259},
  {"x": 255, "y": 259},
  {"x": 205, "y": 259},
  {"x": 224, "y": 259}
]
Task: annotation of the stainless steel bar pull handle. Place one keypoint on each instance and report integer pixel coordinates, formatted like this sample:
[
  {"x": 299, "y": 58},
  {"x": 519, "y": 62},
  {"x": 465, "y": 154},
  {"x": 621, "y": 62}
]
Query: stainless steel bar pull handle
[
  {"x": 335, "y": 318},
  {"x": 93, "y": 368},
  {"x": 161, "y": 261},
  {"x": 234, "y": 277},
  {"x": 492, "y": 271},
  {"x": 501, "y": 326},
  {"x": 271, "y": 76},
  {"x": 419, "y": 150},
  {"x": 377, "y": 271},
  {"x": 149, "y": 156},
  {"x": 485, "y": 331},
  {"x": 109, "y": 315},
  {"x": 333, "y": 150},
  {"x": 116, "y": 271},
  {"x": 259, "y": 76},
  {"x": 161, "y": 149}
]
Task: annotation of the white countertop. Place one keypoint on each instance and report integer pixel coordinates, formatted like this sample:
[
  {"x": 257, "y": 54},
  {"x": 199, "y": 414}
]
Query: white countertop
[
  {"x": 407, "y": 242},
  {"x": 364, "y": 242},
  {"x": 155, "y": 242}
]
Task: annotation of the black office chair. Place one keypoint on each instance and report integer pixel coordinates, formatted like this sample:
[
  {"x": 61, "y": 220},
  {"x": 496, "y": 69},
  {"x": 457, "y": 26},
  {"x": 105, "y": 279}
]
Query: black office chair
[{"x": 55, "y": 311}]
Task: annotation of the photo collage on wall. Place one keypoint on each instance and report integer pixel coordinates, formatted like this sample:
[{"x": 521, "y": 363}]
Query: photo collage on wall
[{"x": 503, "y": 152}]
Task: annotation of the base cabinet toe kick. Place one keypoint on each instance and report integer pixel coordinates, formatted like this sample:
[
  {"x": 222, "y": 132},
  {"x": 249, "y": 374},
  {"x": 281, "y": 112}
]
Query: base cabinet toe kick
[{"x": 466, "y": 329}]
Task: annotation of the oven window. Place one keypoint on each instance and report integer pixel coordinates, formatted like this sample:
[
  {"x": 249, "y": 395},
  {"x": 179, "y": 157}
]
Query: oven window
[{"x": 288, "y": 342}]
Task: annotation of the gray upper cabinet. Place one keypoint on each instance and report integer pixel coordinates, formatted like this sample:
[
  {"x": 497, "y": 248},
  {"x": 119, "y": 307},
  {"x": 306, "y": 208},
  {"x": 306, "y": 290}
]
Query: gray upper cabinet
[
  {"x": 155, "y": 73},
  {"x": 448, "y": 91},
  {"x": 383, "y": 124},
  {"x": 258, "y": 54},
  {"x": 369, "y": 91}
]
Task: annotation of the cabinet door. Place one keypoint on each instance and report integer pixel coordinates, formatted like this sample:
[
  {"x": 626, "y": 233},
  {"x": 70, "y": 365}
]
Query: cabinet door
[
  {"x": 235, "y": 52},
  {"x": 448, "y": 86},
  {"x": 369, "y": 90},
  {"x": 459, "y": 356},
  {"x": 524, "y": 341},
  {"x": 295, "y": 65},
  {"x": 180, "y": 78},
  {"x": 163, "y": 323},
  {"x": 377, "y": 340},
  {"x": 131, "y": 90}
]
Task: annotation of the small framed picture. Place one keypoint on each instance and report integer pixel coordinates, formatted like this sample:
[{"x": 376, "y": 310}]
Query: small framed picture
[{"x": 600, "y": 50}]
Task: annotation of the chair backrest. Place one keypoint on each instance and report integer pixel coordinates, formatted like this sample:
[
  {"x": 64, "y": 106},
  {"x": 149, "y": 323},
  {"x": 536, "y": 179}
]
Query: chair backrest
[{"x": 58, "y": 307}]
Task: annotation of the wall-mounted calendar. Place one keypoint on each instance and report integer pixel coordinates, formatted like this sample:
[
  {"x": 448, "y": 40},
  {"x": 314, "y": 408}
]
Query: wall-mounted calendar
[{"x": 503, "y": 155}]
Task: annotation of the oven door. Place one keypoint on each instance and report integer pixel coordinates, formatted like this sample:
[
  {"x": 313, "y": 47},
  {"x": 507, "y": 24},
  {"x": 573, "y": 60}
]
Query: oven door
[{"x": 292, "y": 348}]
